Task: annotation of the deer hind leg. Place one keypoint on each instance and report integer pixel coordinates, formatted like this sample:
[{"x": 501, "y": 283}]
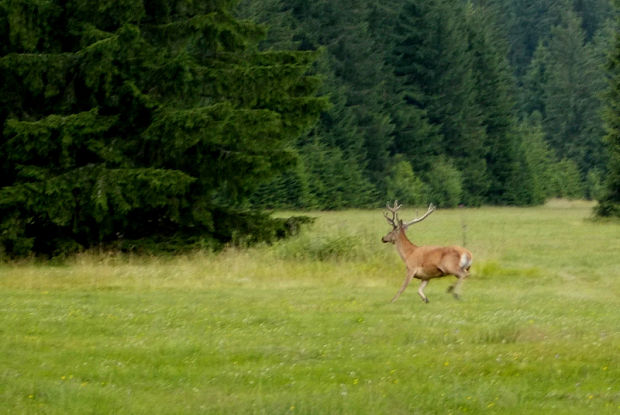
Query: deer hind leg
[
  {"x": 423, "y": 284},
  {"x": 455, "y": 288},
  {"x": 405, "y": 284},
  {"x": 464, "y": 265}
]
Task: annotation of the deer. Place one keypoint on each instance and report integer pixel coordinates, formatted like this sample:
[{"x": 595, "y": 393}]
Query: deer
[{"x": 426, "y": 262}]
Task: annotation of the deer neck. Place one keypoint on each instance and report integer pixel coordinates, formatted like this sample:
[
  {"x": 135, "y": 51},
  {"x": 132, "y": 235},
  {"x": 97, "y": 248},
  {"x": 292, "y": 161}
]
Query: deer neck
[{"x": 404, "y": 246}]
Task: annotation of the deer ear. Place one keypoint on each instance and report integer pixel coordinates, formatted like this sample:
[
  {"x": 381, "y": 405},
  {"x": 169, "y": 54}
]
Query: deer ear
[{"x": 403, "y": 225}]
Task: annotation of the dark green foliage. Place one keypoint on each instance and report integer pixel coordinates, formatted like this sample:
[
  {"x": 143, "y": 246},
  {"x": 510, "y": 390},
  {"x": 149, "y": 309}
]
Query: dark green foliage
[
  {"x": 594, "y": 185},
  {"x": 403, "y": 185},
  {"x": 450, "y": 60},
  {"x": 422, "y": 79},
  {"x": 528, "y": 23},
  {"x": 532, "y": 92},
  {"x": 123, "y": 122},
  {"x": 494, "y": 95},
  {"x": 564, "y": 81},
  {"x": 536, "y": 166},
  {"x": 439, "y": 82},
  {"x": 445, "y": 184},
  {"x": 137, "y": 120},
  {"x": 288, "y": 190},
  {"x": 572, "y": 121},
  {"x": 563, "y": 84},
  {"x": 566, "y": 180},
  {"x": 415, "y": 136},
  {"x": 244, "y": 229},
  {"x": 336, "y": 180},
  {"x": 346, "y": 154},
  {"x": 609, "y": 203}
]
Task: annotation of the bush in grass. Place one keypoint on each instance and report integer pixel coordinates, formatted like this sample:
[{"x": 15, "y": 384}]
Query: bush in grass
[{"x": 335, "y": 246}]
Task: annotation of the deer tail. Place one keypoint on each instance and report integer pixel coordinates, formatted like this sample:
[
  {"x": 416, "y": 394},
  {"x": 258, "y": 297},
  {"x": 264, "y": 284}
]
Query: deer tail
[{"x": 465, "y": 261}]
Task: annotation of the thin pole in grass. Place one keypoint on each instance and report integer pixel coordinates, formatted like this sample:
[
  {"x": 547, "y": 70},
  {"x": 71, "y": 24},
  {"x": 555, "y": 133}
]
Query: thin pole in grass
[{"x": 463, "y": 225}]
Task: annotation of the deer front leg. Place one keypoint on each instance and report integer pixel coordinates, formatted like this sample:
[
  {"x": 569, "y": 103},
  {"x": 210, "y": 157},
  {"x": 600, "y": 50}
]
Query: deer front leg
[
  {"x": 423, "y": 284},
  {"x": 405, "y": 283}
]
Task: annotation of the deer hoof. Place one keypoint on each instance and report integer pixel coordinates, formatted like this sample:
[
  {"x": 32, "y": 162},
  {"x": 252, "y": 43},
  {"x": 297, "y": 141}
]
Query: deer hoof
[
  {"x": 426, "y": 300},
  {"x": 456, "y": 296}
]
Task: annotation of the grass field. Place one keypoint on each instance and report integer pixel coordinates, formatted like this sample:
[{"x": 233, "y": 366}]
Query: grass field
[{"x": 306, "y": 327}]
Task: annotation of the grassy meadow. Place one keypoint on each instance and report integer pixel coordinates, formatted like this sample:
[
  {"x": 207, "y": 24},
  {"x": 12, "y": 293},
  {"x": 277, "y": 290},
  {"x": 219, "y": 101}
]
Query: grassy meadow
[{"x": 306, "y": 327}]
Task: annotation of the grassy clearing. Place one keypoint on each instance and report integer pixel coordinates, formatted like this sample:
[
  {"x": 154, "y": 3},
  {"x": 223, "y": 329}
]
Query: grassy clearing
[{"x": 305, "y": 326}]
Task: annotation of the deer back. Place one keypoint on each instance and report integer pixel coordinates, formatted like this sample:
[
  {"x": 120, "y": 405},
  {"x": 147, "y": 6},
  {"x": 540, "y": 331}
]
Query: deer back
[{"x": 437, "y": 261}]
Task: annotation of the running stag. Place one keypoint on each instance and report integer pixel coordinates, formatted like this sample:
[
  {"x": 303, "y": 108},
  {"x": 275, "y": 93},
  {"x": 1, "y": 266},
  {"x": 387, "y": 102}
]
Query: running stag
[{"x": 426, "y": 262}]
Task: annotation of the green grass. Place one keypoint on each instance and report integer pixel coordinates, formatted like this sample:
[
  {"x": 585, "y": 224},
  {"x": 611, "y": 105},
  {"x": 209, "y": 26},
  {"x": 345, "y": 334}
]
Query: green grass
[{"x": 305, "y": 326}]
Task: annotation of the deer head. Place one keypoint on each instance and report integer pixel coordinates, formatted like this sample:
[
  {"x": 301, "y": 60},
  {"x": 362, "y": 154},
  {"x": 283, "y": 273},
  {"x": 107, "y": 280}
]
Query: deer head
[{"x": 397, "y": 224}]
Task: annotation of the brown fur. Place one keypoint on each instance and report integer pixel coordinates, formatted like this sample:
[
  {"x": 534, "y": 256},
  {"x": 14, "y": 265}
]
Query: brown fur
[{"x": 428, "y": 262}]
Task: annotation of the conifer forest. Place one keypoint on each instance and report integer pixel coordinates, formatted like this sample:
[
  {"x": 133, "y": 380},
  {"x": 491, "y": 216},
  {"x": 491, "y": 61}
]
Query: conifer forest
[{"x": 150, "y": 123}]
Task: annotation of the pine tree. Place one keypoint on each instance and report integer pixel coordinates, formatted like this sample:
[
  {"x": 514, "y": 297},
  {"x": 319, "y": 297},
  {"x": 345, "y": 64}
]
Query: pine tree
[{"x": 144, "y": 119}]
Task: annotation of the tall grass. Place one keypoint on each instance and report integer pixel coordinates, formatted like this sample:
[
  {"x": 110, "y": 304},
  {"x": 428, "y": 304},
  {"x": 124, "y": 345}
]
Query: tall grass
[{"x": 305, "y": 325}]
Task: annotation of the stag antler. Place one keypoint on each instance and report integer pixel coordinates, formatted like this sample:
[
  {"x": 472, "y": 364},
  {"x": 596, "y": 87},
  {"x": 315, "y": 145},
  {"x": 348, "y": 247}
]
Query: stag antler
[
  {"x": 393, "y": 221},
  {"x": 431, "y": 209}
]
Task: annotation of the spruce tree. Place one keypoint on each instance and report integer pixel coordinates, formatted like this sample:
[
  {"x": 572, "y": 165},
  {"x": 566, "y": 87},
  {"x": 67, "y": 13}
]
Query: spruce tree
[
  {"x": 532, "y": 93},
  {"x": 433, "y": 63},
  {"x": 609, "y": 203},
  {"x": 527, "y": 24},
  {"x": 572, "y": 121},
  {"x": 494, "y": 89},
  {"x": 354, "y": 131},
  {"x": 121, "y": 121},
  {"x": 537, "y": 166}
]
